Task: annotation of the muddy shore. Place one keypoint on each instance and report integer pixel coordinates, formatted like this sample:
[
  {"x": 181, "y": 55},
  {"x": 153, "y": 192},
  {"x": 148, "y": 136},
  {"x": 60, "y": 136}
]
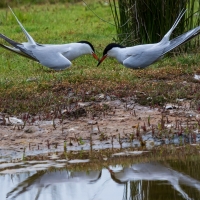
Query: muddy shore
[{"x": 123, "y": 122}]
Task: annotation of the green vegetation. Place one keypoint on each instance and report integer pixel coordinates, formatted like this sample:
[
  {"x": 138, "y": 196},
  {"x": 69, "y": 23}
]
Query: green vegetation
[
  {"x": 147, "y": 21},
  {"x": 4, "y": 3},
  {"x": 26, "y": 86}
]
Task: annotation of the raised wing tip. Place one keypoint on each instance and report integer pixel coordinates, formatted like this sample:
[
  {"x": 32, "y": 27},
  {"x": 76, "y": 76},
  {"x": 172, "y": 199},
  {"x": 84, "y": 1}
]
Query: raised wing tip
[{"x": 29, "y": 38}]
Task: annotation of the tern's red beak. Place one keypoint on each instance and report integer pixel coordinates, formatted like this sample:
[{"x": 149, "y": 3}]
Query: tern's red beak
[
  {"x": 95, "y": 56},
  {"x": 101, "y": 60}
]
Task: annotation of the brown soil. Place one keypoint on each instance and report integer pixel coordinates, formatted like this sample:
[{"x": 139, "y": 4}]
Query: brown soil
[{"x": 124, "y": 118}]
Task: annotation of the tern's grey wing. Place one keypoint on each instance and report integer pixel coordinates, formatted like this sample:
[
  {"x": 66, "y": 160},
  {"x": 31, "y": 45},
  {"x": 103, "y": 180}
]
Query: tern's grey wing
[
  {"x": 52, "y": 60},
  {"x": 29, "y": 38},
  {"x": 143, "y": 56},
  {"x": 181, "y": 39},
  {"x": 137, "y": 61},
  {"x": 17, "y": 51},
  {"x": 19, "y": 46}
]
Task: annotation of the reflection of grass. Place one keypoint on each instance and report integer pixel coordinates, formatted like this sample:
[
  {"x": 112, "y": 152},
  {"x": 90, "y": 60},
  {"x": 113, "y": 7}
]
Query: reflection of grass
[
  {"x": 97, "y": 158},
  {"x": 25, "y": 86}
]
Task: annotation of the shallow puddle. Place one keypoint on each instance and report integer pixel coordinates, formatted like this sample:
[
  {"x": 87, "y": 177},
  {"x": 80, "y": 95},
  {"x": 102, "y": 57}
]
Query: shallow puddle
[{"x": 115, "y": 178}]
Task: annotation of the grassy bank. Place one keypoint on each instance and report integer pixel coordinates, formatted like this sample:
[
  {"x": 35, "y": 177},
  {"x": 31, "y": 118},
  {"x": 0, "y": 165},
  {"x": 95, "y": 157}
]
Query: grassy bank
[{"x": 26, "y": 86}]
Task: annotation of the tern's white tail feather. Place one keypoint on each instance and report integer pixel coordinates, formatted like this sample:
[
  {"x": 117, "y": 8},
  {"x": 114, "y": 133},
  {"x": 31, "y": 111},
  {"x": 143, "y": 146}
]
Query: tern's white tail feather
[
  {"x": 168, "y": 34},
  {"x": 15, "y": 50},
  {"x": 182, "y": 39},
  {"x": 18, "y": 46},
  {"x": 29, "y": 38}
]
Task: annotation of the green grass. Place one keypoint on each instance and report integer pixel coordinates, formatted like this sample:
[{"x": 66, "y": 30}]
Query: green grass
[{"x": 71, "y": 22}]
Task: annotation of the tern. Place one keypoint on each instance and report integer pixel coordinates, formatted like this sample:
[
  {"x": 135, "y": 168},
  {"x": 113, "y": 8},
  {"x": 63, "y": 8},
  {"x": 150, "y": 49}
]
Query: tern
[
  {"x": 53, "y": 56},
  {"x": 141, "y": 56}
]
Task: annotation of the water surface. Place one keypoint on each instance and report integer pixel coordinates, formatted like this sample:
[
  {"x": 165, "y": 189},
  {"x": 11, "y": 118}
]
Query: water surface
[{"x": 61, "y": 180}]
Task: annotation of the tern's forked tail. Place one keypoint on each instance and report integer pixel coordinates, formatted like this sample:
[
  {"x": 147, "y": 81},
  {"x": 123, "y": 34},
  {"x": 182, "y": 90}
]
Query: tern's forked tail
[
  {"x": 168, "y": 34},
  {"x": 181, "y": 39}
]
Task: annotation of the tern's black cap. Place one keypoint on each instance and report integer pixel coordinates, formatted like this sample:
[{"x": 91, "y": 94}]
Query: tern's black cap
[
  {"x": 88, "y": 44},
  {"x": 110, "y": 46}
]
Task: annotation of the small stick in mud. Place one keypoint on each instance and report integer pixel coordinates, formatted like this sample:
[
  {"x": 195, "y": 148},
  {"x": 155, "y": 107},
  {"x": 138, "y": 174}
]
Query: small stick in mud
[
  {"x": 112, "y": 140},
  {"x": 134, "y": 113},
  {"x": 149, "y": 124},
  {"x": 24, "y": 154},
  {"x": 48, "y": 144},
  {"x": 65, "y": 146},
  {"x": 120, "y": 141},
  {"x": 152, "y": 130},
  {"x": 144, "y": 128},
  {"x": 138, "y": 130},
  {"x": 91, "y": 143},
  {"x": 54, "y": 124}
]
